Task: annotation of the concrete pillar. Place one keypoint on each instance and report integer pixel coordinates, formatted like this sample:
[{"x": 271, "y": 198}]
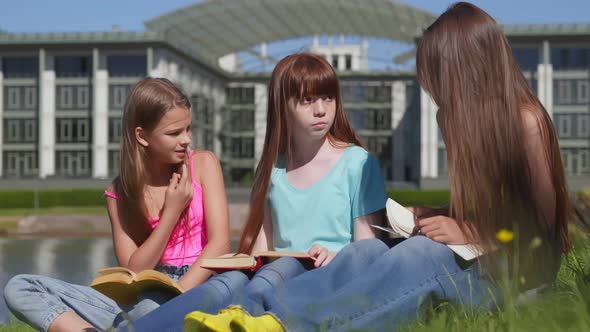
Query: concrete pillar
[
  {"x": 100, "y": 115},
  {"x": 149, "y": 55},
  {"x": 398, "y": 109},
  {"x": 545, "y": 78},
  {"x": 46, "y": 114},
  {"x": 428, "y": 137},
  {"x": 261, "y": 99}
]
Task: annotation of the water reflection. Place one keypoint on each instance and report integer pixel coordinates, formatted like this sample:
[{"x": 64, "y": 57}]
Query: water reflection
[{"x": 72, "y": 260}]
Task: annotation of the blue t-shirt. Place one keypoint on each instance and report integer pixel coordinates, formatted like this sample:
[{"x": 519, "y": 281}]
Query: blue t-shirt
[{"x": 324, "y": 212}]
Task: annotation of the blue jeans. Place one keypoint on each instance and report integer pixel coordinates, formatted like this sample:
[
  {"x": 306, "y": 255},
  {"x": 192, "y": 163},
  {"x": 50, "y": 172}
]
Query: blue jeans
[
  {"x": 370, "y": 286},
  {"x": 219, "y": 292},
  {"x": 39, "y": 300}
]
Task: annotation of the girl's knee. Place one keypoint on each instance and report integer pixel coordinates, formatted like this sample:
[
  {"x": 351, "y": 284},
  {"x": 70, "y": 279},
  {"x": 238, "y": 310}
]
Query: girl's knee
[
  {"x": 368, "y": 248},
  {"x": 232, "y": 280},
  {"x": 18, "y": 287}
]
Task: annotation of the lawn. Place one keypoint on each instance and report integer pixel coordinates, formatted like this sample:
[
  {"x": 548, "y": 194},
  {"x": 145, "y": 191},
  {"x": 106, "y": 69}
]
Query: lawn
[{"x": 566, "y": 307}]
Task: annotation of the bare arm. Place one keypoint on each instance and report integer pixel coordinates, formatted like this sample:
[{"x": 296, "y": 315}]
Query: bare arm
[
  {"x": 362, "y": 225},
  {"x": 147, "y": 255},
  {"x": 216, "y": 217}
]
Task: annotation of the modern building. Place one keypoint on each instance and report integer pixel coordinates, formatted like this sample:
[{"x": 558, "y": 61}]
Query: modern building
[{"x": 62, "y": 94}]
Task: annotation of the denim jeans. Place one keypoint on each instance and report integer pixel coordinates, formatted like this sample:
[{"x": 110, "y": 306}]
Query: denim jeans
[
  {"x": 219, "y": 292},
  {"x": 39, "y": 300},
  {"x": 370, "y": 286}
]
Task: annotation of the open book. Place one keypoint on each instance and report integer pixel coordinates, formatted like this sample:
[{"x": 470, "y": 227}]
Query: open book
[
  {"x": 250, "y": 262},
  {"x": 124, "y": 285},
  {"x": 402, "y": 222}
]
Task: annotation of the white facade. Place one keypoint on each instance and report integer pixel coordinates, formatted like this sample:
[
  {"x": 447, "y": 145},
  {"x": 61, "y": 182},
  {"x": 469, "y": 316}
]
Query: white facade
[
  {"x": 344, "y": 57},
  {"x": 46, "y": 115}
]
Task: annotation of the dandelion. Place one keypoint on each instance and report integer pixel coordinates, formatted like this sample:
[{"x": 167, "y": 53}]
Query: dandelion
[{"x": 505, "y": 236}]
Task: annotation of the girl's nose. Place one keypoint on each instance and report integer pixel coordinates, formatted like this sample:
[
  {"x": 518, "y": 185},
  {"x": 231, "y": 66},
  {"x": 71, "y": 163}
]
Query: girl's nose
[
  {"x": 186, "y": 138},
  {"x": 319, "y": 109}
]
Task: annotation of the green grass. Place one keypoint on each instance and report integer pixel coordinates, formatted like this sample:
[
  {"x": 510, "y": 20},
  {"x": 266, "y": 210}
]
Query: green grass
[
  {"x": 20, "y": 212},
  {"x": 566, "y": 307},
  {"x": 24, "y": 199}
]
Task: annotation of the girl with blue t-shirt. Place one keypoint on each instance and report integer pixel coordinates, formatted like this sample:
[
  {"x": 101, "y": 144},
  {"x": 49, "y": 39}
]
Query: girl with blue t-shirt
[
  {"x": 316, "y": 189},
  {"x": 505, "y": 173}
]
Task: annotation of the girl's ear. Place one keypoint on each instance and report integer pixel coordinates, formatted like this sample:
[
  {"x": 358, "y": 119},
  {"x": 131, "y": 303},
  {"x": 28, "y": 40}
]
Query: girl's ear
[{"x": 140, "y": 137}]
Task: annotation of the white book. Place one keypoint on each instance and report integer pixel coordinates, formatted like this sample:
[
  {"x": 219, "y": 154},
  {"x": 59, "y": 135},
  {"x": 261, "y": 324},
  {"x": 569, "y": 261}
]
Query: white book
[{"x": 402, "y": 222}]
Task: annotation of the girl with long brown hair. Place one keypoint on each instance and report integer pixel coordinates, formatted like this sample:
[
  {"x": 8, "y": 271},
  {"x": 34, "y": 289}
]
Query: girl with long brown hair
[
  {"x": 316, "y": 189},
  {"x": 505, "y": 174},
  {"x": 167, "y": 208}
]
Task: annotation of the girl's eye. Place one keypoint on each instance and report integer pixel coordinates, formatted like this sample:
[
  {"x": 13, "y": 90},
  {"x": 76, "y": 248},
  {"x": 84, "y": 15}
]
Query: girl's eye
[
  {"x": 306, "y": 100},
  {"x": 329, "y": 98}
]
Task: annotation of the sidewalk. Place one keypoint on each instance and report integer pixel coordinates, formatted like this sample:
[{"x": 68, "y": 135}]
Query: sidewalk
[{"x": 93, "y": 225}]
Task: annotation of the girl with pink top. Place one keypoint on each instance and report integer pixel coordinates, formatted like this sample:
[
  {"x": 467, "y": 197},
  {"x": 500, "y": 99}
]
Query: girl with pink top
[{"x": 167, "y": 208}]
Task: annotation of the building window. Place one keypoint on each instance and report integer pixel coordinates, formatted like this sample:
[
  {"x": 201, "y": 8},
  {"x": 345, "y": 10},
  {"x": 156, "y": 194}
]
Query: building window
[
  {"x": 65, "y": 130},
  {"x": 564, "y": 125},
  {"x": 240, "y": 147},
  {"x": 30, "y": 163},
  {"x": 20, "y": 163},
  {"x": 30, "y": 131},
  {"x": 30, "y": 97},
  {"x": 527, "y": 58},
  {"x": 583, "y": 92},
  {"x": 82, "y": 134},
  {"x": 82, "y": 97},
  {"x": 241, "y": 120},
  {"x": 565, "y": 158},
  {"x": 115, "y": 130},
  {"x": 379, "y": 93},
  {"x": 584, "y": 159},
  {"x": 564, "y": 92},
  {"x": 383, "y": 119},
  {"x": 335, "y": 61},
  {"x": 348, "y": 61},
  {"x": 12, "y": 128},
  {"x": 65, "y": 97},
  {"x": 20, "y": 67},
  {"x": 73, "y": 66},
  {"x": 584, "y": 125},
  {"x": 73, "y": 163},
  {"x": 118, "y": 95},
  {"x": 240, "y": 95},
  {"x": 14, "y": 97},
  {"x": 127, "y": 65}
]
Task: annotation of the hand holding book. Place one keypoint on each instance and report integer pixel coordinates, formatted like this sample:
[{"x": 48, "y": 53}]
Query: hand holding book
[{"x": 440, "y": 228}]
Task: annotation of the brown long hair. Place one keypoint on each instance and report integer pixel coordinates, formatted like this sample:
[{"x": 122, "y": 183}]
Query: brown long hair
[
  {"x": 147, "y": 102},
  {"x": 295, "y": 76},
  {"x": 465, "y": 63}
]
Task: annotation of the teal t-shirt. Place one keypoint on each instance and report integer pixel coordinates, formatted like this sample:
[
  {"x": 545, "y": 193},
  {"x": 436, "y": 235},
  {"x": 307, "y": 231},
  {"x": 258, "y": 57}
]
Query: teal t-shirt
[{"x": 324, "y": 212}]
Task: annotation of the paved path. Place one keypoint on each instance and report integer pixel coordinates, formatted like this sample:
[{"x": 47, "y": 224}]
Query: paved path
[{"x": 98, "y": 225}]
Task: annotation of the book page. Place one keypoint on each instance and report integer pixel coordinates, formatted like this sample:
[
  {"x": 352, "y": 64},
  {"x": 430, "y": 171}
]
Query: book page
[
  {"x": 402, "y": 222},
  {"x": 116, "y": 269},
  {"x": 400, "y": 218},
  {"x": 296, "y": 254}
]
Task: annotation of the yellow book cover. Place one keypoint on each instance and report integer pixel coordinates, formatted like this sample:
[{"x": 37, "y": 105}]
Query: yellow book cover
[{"x": 123, "y": 285}]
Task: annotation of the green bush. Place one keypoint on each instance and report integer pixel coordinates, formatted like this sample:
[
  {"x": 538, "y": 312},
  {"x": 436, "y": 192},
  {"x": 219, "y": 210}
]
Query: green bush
[
  {"x": 24, "y": 199},
  {"x": 420, "y": 197}
]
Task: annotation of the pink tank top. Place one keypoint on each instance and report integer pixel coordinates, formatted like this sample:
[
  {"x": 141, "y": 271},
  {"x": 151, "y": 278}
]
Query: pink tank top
[{"x": 182, "y": 248}]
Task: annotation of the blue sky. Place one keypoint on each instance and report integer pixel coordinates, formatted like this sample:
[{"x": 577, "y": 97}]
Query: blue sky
[
  {"x": 101, "y": 15},
  {"x": 95, "y": 15}
]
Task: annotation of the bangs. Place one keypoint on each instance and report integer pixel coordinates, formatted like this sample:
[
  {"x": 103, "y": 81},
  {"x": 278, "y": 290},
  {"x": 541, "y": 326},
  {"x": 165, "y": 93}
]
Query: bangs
[{"x": 311, "y": 76}]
